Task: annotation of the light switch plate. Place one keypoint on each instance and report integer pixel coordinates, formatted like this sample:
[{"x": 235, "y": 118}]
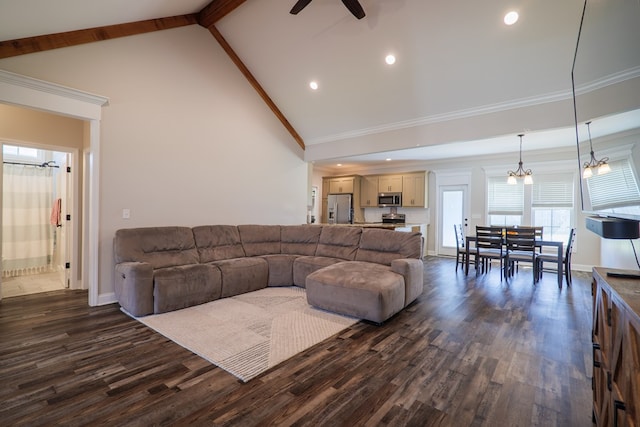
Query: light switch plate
[{"x": 126, "y": 213}]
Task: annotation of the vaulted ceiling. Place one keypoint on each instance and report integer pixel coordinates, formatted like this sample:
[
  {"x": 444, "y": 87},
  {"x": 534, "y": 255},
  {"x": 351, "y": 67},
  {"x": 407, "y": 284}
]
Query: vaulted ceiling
[{"x": 457, "y": 66}]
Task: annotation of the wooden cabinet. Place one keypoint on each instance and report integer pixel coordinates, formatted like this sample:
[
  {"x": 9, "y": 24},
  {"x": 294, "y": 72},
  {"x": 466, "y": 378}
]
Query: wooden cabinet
[
  {"x": 344, "y": 185},
  {"x": 390, "y": 184},
  {"x": 414, "y": 190},
  {"x": 369, "y": 191},
  {"x": 616, "y": 350}
]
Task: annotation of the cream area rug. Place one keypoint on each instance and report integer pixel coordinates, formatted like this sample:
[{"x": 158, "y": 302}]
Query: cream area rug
[{"x": 249, "y": 333}]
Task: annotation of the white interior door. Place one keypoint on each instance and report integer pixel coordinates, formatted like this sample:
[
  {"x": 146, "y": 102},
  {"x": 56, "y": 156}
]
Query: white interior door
[{"x": 454, "y": 209}]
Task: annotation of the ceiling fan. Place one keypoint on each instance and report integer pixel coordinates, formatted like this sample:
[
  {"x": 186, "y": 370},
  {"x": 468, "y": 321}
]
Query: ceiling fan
[{"x": 353, "y": 6}]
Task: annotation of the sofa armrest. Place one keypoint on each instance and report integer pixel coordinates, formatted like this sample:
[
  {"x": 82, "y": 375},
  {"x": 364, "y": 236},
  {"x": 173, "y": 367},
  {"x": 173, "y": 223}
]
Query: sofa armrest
[
  {"x": 134, "y": 287},
  {"x": 413, "y": 271}
]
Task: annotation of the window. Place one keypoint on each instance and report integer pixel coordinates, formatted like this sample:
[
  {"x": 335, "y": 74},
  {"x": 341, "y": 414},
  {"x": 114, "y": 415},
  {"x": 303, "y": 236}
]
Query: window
[
  {"x": 505, "y": 202},
  {"x": 12, "y": 152},
  {"x": 552, "y": 205},
  {"x": 547, "y": 203},
  {"x": 615, "y": 191}
]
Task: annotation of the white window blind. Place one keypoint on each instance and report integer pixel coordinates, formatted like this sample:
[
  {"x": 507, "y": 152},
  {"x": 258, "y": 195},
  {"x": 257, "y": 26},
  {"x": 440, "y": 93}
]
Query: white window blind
[
  {"x": 615, "y": 189},
  {"x": 503, "y": 198},
  {"x": 553, "y": 190}
]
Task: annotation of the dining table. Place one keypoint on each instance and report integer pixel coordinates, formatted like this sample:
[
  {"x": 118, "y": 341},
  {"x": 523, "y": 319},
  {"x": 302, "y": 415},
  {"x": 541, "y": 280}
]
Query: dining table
[{"x": 549, "y": 243}]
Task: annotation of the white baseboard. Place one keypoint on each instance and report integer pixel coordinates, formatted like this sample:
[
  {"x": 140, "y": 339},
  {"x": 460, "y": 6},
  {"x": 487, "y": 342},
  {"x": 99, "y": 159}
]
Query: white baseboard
[{"x": 104, "y": 299}]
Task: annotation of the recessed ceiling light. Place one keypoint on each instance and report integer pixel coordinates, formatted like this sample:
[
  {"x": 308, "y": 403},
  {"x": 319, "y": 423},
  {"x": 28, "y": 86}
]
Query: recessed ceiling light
[
  {"x": 388, "y": 160},
  {"x": 390, "y": 59},
  {"x": 339, "y": 164},
  {"x": 313, "y": 85},
  {"x": 511, "y": 18}
]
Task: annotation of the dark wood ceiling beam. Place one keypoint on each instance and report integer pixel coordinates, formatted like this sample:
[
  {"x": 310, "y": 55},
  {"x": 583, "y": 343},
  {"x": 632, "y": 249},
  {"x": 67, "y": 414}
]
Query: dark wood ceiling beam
[
  {"x": 252, "y": 80},
  {"x": 35, "y": 44},
  {"x": 216, "y": 10}
]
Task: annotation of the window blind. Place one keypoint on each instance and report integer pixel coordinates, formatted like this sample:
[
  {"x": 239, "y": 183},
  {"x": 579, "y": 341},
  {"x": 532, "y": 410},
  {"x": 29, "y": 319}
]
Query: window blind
[
  {"x": 553, "y": 190},
  {"x": 503, "y": 198},
  {"x": 615, "y": 189}
]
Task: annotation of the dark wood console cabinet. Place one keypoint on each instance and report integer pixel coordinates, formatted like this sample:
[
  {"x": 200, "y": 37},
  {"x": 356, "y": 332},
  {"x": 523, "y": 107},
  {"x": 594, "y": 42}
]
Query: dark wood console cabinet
[{"x": 616, "y": 350}]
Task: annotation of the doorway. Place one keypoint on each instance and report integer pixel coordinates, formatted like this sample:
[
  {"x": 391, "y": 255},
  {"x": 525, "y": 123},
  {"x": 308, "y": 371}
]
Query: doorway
[{"x": 36, "y": 240}]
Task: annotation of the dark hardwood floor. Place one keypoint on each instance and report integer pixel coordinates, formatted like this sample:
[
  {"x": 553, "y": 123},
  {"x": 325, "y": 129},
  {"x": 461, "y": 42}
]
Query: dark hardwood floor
[{"x": 470, "y": 352}]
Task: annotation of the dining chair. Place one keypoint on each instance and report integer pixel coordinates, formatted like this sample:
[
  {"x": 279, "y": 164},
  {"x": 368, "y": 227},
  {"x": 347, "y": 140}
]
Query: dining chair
[
  {"x": 489, "y": 247},
  {"x": 461, "y": 248},
  {"x": 521, "y": 247},
  {"x": 566, "y": 259}
]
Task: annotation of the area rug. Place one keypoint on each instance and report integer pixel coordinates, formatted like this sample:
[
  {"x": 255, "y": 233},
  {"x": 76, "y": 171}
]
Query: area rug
[{"x": 249, "y": 333}]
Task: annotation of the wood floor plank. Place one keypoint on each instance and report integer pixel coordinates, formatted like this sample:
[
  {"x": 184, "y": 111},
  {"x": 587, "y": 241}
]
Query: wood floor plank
[{"x": 471, "y": 351}]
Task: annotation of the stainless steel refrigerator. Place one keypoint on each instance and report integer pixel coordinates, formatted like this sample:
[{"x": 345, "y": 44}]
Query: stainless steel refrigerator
[{"x": 340, "y": 209}]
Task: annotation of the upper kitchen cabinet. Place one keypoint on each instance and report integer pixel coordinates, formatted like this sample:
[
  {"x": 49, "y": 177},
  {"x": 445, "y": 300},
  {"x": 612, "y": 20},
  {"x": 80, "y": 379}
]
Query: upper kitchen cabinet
[
  {"x": 369, "y": 191},
  {"x": 414, "y": 190},
  {"x": 343, "y": 185},
  {"x": 390, "y": 184}
]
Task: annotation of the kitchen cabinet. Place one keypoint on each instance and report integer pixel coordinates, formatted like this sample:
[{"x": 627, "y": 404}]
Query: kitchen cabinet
[
  {"x": 369, "y": 191},
  {"x": 616, "y": 350},
  {"x": 342, "y": 185},
  {"x": 390, "y": 184},
  {"x": 414, "y": 190},
  {"x": 325, "y": 188}
]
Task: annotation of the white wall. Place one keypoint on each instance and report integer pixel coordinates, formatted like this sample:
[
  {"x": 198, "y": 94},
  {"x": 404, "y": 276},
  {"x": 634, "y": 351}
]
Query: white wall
[{"x": 185, "y": 140}]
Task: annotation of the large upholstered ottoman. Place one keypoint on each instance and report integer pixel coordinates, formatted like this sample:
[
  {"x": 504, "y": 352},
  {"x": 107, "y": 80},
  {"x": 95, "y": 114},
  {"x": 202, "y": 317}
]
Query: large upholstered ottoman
[{"x": 360, "y": 289}]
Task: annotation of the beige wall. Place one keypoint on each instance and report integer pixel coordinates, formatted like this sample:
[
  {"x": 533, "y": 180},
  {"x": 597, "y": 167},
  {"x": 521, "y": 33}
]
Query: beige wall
[{"x": 185, "y": 140}]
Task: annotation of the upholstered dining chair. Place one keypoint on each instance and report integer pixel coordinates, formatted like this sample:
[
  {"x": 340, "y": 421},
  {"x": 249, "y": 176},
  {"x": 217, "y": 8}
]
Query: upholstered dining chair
[
  {"x": 521, "y": 247},
  {"x": 489, "y": 247},
  {"x": 566, "y": 259}
]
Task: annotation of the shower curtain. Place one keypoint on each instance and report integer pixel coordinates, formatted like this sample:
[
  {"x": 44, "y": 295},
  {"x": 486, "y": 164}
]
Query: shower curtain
[{"x": 27, "y": 233}]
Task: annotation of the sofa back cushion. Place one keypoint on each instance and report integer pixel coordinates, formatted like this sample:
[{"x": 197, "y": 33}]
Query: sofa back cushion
[
  {"x": 383, "y": 246},
  {"x": 260, "y": 239},
  {"x": 218, "y": 242},
  {"x": 339, "y": 242},
  {"x": 300, "y": 239},
  {"x": 159, "y": 246}
]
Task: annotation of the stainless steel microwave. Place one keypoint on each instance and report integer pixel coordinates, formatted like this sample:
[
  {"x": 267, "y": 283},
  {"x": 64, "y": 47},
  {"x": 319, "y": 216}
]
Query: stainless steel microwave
[{"x": 389, "y": 199}]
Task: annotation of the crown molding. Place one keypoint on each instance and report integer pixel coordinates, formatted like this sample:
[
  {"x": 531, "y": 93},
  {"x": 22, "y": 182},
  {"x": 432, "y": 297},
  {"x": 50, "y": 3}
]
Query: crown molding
[{"x": 51, "y": 88}]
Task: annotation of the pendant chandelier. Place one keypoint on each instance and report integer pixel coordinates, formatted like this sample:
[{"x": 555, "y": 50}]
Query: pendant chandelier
[
  {"x": 520, "y": 172},
  {"x": 594, "y": 164}
]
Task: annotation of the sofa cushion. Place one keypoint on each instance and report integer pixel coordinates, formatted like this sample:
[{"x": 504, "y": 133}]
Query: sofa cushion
[
  {"x": 383, "y": 246},
  {"x": 305, "y": 265},
  {"x": 280, "y": 269},
  {"x": 183, "y": 286},
  {"x": 300, "y": 239},
  {"x": 260, "y": 239},
  {"x": 339, "y": 242},
  {"x": 218, "y": 242},
  {"x": 242, "y": 275},
  {"x": 359, "y": 289},
  {"x": 159, "y": 246}
]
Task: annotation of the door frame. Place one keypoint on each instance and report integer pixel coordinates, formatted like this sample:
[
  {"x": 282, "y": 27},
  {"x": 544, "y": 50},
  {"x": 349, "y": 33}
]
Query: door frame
[
  {"x": 450, "y": 178},
  {"x": 28, "y": 92},
  {"x": 71, "y": 248}
]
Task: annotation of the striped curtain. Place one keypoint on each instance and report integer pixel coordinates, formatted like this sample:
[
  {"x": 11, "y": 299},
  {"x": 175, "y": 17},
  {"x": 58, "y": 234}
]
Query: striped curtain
[{"x": 27, "y": 233}]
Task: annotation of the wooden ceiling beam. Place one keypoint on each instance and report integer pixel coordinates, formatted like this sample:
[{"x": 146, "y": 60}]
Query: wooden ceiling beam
[
  {"x": 216, "y": 10},
  {"x": 35, "y": 44},
  {"x": 258, "y": 88}
]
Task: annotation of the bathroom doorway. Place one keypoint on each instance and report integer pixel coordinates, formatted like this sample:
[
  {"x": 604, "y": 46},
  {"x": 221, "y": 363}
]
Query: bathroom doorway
[{"x": 36, "y": 239}]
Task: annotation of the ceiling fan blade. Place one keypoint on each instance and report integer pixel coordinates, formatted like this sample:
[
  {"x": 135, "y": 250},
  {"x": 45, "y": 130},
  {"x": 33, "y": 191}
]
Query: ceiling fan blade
[
  {"x": 300, "y": 4},
  {"x": 355, "y": 8}
]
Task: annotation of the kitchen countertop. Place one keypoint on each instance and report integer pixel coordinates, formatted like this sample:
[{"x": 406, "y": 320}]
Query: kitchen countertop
[{"x": 390, "y": 226}]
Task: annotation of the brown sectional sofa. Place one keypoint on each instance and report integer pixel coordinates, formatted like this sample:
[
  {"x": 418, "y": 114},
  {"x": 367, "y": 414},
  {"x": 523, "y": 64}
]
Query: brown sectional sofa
[{"x": 362, "y": 272}]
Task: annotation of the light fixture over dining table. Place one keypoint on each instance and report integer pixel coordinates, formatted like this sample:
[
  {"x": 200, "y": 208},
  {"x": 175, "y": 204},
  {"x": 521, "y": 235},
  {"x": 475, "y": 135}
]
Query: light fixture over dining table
[
  {"x": 520, "y": 172},
  {"x": 594, "y": 164}
]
